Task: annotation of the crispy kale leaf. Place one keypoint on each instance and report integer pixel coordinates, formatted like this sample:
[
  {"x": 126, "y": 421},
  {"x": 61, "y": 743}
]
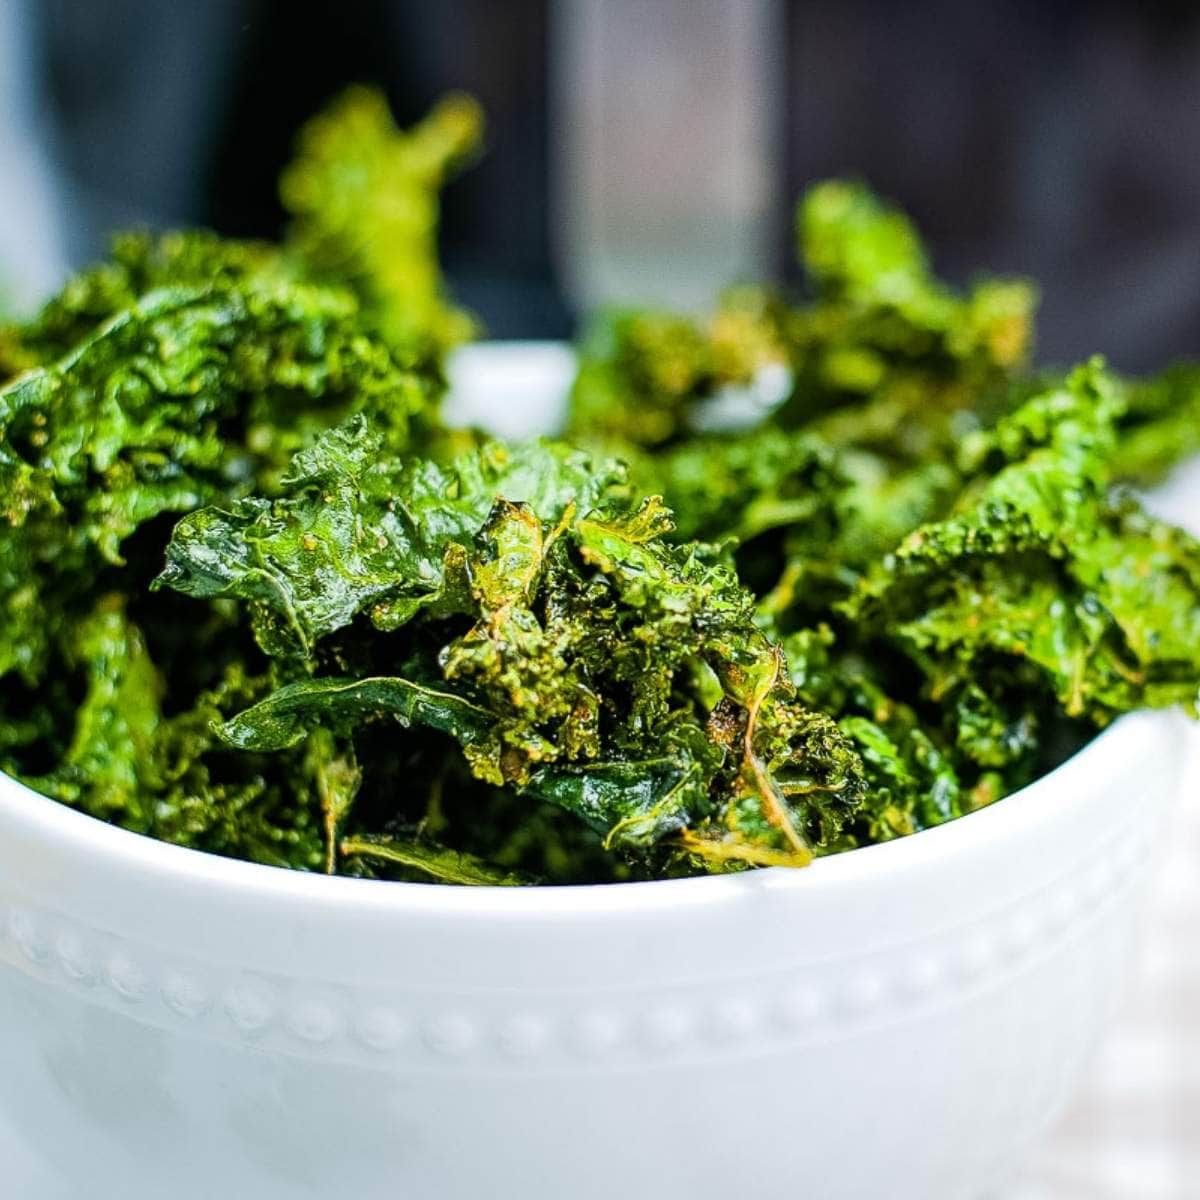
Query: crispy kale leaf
[
  {"x": 1160, "y": 425},
  {"x": 887, "y": 342},
  {"x": 882, "y": 356},
  {"x": 364, "y": 197},
  {"x": 188, "y": 369},
  {"x": 138, "y": 263},
  {"x": 130, "y": 761},
  {"x": 1035, "y": 605},
  {"x": 915, "y": 776},
  {"x": 880, "y": 372},
  {"x": 645, "y": 377},
  {"x": 187, "y": 396},
  {"x": 521, "y": 604},
  {"x": 1038, "y": 565},
  {"x": 375, "y": 646},
  {"x": 111, "y": 755},
  {"x": 360, "y": 532}
]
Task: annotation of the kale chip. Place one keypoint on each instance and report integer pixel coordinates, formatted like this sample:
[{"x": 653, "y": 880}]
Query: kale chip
[
  {"x": 520, "y": 602},
  {"x": 808, "y": 574},
  {"x": 187, "y": 369}
]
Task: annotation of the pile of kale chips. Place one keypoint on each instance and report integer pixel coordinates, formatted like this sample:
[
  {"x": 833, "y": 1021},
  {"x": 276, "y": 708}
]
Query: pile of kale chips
[{"x": 256, "y": 598}]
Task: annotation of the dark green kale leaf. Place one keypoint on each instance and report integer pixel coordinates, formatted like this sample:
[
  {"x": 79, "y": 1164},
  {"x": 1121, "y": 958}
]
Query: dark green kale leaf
[
  {"x": 915, "y": 777},
  {"x": 254, "y": 806},
  {"x": 166, "y": 774},
  {"x": 1040, "y": 567},
  {"x": 110, "y": 760},
  {"x": 884, "y": 339},
  {"x": 138, "y": 263},
  {"x": 1160, "y": 425},
  {"x": 360, "y": 532},
  {"x": 284, "y": 718},
  {"x": 188, "y": 369},
  {"x": 644, "y": 376},
  {"x": 423, "y": 862},
  {"x": 750, "y": 484},
  {"x": 993, "y": 639},
  {"x": 808, "y": 518},
  {"x": 886, "y": 370},
  {"x": 188, "y": 396},
  {"x": 882, "y": 356},
  {"x": 525, "y": 606}
]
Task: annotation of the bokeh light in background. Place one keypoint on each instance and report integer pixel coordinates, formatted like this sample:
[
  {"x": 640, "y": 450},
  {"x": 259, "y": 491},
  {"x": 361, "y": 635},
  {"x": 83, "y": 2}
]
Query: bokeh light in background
[{"x": 646, "y": 151}]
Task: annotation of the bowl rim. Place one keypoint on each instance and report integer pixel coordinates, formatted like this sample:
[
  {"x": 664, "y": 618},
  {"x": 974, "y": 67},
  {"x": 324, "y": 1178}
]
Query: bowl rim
[{"x": 1053, "y": 798}]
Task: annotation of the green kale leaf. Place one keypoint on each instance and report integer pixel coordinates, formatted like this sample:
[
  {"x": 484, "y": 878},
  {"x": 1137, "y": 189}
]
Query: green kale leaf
[
  {"x": 532, "y": 612},
  {"x": 364, "y": 197},
  {"x": 1040, "y": 565}
]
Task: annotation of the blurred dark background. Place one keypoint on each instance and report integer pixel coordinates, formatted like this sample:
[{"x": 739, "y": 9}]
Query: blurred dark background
[{"x": 652, "y": 150}]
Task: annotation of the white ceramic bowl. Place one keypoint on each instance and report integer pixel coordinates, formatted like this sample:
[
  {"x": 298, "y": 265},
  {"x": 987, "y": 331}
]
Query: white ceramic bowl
[{"x": 896, "y": 1022}]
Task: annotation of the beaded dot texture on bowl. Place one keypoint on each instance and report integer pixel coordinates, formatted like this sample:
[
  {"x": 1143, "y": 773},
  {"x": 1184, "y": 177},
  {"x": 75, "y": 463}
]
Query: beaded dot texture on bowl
[{"x": 445, "y": 1030}]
